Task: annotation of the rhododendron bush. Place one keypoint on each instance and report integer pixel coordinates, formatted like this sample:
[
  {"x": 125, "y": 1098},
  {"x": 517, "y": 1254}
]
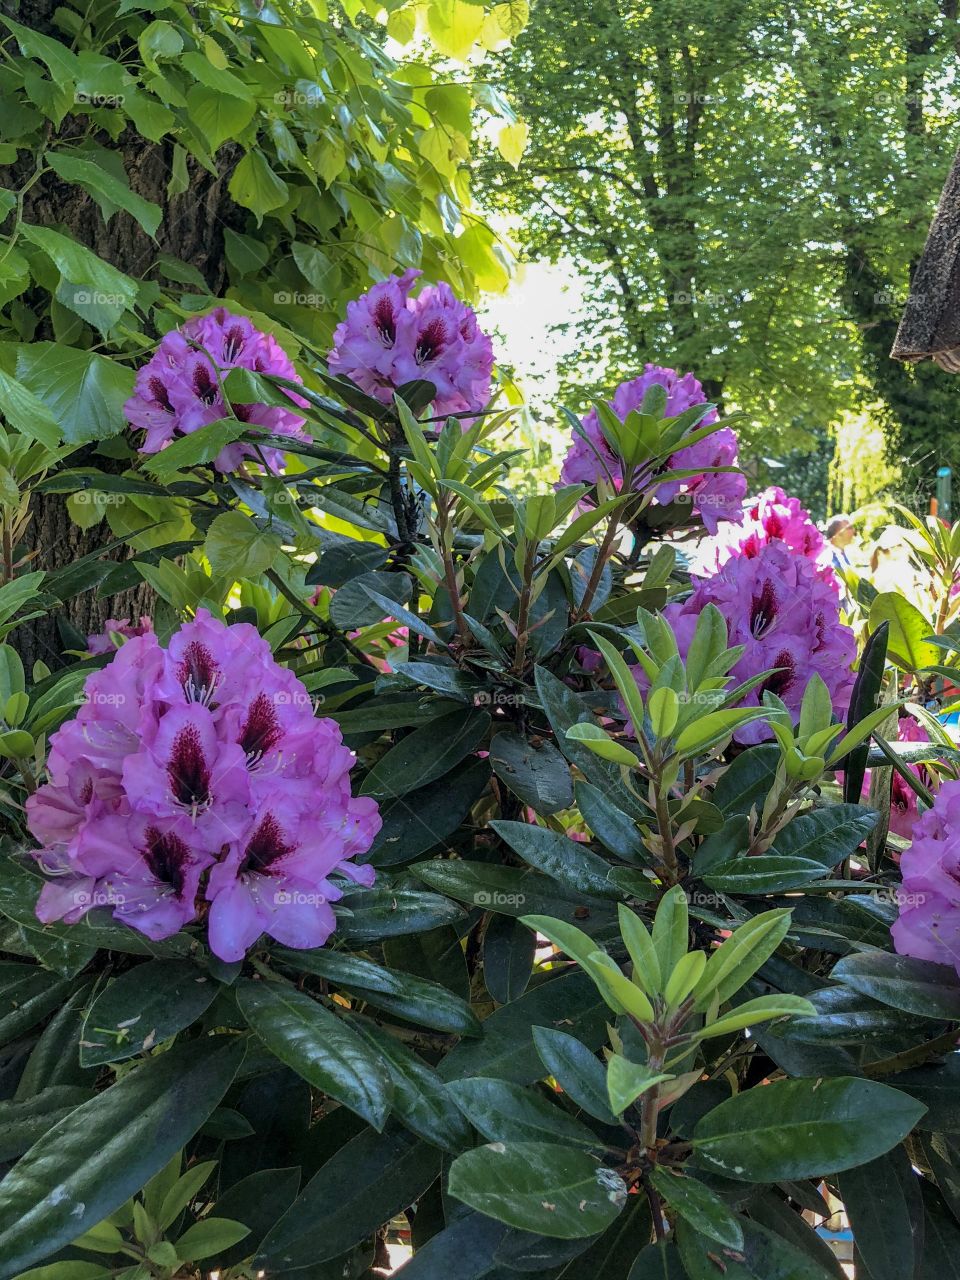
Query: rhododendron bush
[{"x": 560, "y": 883}]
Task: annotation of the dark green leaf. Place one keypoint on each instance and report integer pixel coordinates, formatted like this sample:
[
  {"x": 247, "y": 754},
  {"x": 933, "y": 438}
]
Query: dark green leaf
[
  {"x": 540, "y": 776},
  {"x": 143, "y": 1007},
  {"x": 566, "y": 860},
  {"x": 504, "y": 1112},
  {"x": 699, "y": 1206},
  {"x": 362, "y": 1187},
  {"x": 101, "y": 1153},
  {"x": 508, "y": 953},
  {"x": 539, "y": 1186},
  {"x": 577, "y": 1071},
  {"x": 866, "y": 696},
  {"x": 420, "y": 820},
  {"x": 420, "y": 1100},
  {"x": 352, "y": 606},
  {"x": 426, "y": 754},
  {"x": 317, "y": 1045},
  {"x": 465, "y": 1249},
  {"x": 513, "y": 891},
  {"x": 415, "y": 999},
  {"x": 615, "y": 830},
  {"x": 917, "y": 986},
  {"x": 765, "y": 873},
  {"x": 941, "y": 1240},
  {"x": 765, "y": 1256},
  {"x": 55, "y": 1058},
  {"x": 24, "y": 1122},
  {"x": 744, "y": 784},
  {"x": 507, "y": 1048},
  {"x": 257, "y": 1201},
  {"x": 369, "y": 915},
  {"x": 801, "y": 1128},
  {"x": 882, "y": 1200},
  {"x": 827, "y": 835}
]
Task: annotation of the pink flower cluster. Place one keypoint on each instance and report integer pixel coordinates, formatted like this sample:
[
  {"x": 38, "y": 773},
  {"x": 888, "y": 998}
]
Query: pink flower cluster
[
  {"x": 773, "y": 516},
  {"x": 779, "y": 608},
  {"x": 197, "y": 782},
  {"x": 929, "y": 923},
  {"x": 179, "y": 389},
  {"x": 715, "y": 496},
  {"x": 104, "y": 642},
  {"x": 389, "y": 339}
]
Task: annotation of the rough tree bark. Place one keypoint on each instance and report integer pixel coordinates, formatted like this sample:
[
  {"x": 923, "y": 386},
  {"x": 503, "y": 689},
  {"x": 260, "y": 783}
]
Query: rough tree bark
[{"x": 191, "y": 230}]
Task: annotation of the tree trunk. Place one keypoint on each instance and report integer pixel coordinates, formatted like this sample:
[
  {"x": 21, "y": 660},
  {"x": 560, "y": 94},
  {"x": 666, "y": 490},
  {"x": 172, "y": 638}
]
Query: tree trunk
[{"x": 191, "y": 230}]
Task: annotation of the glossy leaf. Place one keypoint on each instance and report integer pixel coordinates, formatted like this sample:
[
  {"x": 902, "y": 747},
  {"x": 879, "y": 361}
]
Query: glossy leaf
[
  {"x": 539, "y": 1186},
  {"x": 93, "y": 1160},
  {"x": 318, "y": 1045},
  {"x": 803, "y": 1128}
]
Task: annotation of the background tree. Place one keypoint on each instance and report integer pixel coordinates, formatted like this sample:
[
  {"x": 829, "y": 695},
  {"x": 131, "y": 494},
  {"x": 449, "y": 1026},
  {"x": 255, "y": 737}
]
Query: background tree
[
  {"x": 744, "y": 191},
  {"x": 158, "y": 157}
]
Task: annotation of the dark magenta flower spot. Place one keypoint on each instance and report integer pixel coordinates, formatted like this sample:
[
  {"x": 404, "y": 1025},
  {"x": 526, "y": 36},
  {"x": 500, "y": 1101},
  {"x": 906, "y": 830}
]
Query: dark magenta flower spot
[
  {"x": 431, "y": 341},
  {"x": 198, "y": 672},
  {"x": 204, "y": 385},
  {"x": 763, "y": 610},
  {"x": 167, "y": 857},
  {"x": 188, "y": 770},
  {"x": 261, "y": 730},
  {"x": 779, "y": 682},
  {"x": 160, "y": 394},
  {"x": 267, "y": 846},
  {"x": 385, "y": 321},
  {"x": 233, "y": 343}
]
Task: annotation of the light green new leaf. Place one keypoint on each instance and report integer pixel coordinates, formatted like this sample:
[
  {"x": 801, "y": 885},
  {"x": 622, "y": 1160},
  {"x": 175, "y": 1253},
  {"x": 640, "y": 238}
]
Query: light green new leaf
[
  {"x": 601, "y": 744},
  {"x": 741, "y": 955},
  {"x": 626, "y": 1081},
  {"x": 760, "y": 1010},
  {"x": 639, "y": 944}
]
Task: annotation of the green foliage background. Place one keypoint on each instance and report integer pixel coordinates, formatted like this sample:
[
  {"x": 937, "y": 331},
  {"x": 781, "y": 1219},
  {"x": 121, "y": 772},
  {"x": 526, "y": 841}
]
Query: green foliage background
[{"x": 743, "y": 191}]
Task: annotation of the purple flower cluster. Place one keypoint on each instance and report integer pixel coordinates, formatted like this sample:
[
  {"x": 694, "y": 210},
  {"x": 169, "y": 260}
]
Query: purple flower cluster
[
  {"x": 715, "y": 496},
  {"x": 929, "y": 923},
  {"x": 389, "y": 339},
  {"x": 779, "y": 608},
  {"x": 179, "y": 389},
  {"x": 196, "y": 781}
]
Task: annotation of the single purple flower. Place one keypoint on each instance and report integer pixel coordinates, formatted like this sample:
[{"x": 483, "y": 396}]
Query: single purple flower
[
  {"x": 178, "y": 390},
  {"x": 275, "y": 879},
  {"x": 715, "y": 496},
  {"x": 389, "y": 339}
]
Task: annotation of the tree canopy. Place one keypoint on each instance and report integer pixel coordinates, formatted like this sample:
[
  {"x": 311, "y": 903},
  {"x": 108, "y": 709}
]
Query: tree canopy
[{"x": 744, "y": 191}]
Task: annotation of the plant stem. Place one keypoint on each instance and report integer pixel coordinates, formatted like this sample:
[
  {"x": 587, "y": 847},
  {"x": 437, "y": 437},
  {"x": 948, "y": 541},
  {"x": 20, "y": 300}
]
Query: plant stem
[
  {"x": 668, "y": 851},
  {"x": 450, "y": 575},
  {"x": 650, "y": 1102},
  {"x": 523, "y": 608}
]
